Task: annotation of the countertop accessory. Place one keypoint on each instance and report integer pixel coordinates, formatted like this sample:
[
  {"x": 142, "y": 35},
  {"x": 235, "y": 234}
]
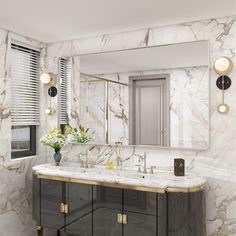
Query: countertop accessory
[
  {"x": 179, "y": 167},
  {"x": 56, "y": 140}
]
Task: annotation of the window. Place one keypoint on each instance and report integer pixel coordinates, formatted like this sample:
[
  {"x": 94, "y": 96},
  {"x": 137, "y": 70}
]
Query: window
[
  {"x": 25, "y": 100},
  {"x": 64, "y": 75}
]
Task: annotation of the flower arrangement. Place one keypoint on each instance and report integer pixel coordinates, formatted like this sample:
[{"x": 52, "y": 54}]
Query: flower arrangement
[
  {"x": 55, "y": 139},
  {"x": 80, "y": 135}
]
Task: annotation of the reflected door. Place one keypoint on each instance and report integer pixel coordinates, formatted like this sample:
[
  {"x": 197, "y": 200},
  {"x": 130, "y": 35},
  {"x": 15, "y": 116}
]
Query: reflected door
[{"x": 149, "y": 111}]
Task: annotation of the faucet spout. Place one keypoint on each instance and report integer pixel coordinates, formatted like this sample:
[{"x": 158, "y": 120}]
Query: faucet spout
[{"x": 145, "y": 163}]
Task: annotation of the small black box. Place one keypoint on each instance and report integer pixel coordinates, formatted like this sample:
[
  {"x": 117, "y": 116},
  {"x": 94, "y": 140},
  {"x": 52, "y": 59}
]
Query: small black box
[{"x": 179, "y": 169}]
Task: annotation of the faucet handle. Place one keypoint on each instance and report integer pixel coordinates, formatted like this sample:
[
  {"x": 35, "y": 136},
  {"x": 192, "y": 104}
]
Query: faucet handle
[
  {"x": 152, "y": 169},
  {"x": 92, "y": 164},
  {"x": 139, "y": 168},
  {"x": 81, "y": 163}
]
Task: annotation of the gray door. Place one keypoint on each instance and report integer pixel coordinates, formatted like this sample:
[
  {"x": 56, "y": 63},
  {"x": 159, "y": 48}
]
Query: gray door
[{"x": 150, "y": 108}]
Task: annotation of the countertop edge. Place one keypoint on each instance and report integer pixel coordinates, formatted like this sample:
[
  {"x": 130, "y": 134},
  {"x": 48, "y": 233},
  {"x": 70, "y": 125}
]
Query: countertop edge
[{"x": 198, "y": 188}]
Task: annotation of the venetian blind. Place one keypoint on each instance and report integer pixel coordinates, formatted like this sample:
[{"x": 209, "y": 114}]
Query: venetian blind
[
  {"x": 64, "y": 74},
  {"x": 25, "y": 85}
]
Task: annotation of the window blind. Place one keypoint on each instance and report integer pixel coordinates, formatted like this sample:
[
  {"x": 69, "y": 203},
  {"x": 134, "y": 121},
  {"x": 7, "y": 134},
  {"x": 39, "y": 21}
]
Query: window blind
[
  {"x": 25, "y": 85},
  {"x": 64, "y": 74}
]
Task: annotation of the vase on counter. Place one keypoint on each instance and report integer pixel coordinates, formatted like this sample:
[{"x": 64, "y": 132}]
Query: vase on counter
[{"x": 57, "y": 158}]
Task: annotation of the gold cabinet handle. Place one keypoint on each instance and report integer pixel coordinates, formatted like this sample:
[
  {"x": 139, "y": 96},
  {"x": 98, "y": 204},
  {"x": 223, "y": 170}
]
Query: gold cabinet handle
[
  {"x": 122, "y": 218},
  {"x": 119, "y": 218},
  {"x": 125, "y": 219},
  {"x": 64, "y": 208}
]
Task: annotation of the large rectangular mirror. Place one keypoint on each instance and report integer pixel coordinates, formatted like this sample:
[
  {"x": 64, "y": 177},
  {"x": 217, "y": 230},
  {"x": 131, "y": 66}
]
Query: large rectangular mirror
[{"x": 155, "y": 96}]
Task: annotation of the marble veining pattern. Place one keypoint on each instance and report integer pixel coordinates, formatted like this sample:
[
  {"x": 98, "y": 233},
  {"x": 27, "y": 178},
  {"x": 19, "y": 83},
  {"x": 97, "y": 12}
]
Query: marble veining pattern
[
  {"x": 189, "y": 106},
  {"x": 161, "y": 179},
  {"x": 217, "y": 163}
]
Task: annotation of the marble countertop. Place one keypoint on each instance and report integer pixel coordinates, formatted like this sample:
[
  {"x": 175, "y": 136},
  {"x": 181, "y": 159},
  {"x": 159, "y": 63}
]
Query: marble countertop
[{"x": 160, "y": 181}]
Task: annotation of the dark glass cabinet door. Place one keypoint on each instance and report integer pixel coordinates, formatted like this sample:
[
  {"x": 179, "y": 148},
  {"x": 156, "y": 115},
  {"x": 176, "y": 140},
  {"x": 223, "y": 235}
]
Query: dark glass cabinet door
[
  {"x": 79, "y": 218},
  {"x": 51, "y": 198},
  {"x": 186, "y": 214},
  {"x": 140, "y": 225},
  {"x": 140, "y": 209},
  {"x": 107, "y": 203}
]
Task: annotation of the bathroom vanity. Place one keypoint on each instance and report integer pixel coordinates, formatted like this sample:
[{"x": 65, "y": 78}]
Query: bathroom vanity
[{"x": 96, "y": 202}]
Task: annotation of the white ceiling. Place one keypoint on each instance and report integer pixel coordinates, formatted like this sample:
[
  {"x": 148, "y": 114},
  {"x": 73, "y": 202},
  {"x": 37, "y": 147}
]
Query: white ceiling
[{"x": 58, "y": 20}]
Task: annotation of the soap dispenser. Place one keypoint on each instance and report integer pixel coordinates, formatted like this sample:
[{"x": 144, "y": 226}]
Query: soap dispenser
[
  {"x": 179, "y": 167},
  {"x": 118, "y": 160}
]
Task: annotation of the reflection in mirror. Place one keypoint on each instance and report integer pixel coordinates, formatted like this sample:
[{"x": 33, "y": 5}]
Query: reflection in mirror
[{"x": 150, "y": 96}]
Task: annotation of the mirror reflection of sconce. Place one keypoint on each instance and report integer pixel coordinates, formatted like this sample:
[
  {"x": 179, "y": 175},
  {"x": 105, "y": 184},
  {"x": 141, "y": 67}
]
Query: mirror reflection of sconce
[
  {"x": 48, "y": 78},
  {"x": 223, "y": 66}
]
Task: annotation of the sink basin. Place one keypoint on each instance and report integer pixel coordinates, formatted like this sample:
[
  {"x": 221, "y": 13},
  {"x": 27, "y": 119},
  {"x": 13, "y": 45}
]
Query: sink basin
[{"x": 133, "y": 175}]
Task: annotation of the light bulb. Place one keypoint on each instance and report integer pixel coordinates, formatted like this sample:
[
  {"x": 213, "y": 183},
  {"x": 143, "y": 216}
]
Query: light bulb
[
  {"x": 223, "y": 65},
  {"x": 223, "y": 108},
  {"x": 49, "y": 111},
  {"x": 45, "y": 78}
]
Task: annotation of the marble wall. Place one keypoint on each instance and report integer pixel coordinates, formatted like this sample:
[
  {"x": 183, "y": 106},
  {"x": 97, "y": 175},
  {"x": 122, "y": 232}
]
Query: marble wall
[
  {"x": 217, "y": 163},
  {"x": 16, "y": 175}
]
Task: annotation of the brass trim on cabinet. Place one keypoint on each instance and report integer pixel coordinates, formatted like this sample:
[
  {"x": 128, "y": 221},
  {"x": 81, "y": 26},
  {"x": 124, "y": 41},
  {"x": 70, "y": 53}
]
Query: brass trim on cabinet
[
  {"x": 123, "y": 186},
  {"x": 186, "y": 190}
]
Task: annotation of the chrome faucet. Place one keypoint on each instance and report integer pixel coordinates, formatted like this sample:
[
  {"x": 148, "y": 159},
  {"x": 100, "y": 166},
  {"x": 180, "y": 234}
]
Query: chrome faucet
[
  {"x": 85, "y": 164},
  {"x": 143, "y": 165}
]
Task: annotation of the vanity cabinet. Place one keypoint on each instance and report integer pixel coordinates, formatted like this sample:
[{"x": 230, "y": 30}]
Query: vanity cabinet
[
  {"x": 76, "y": 209},
  {"x": 56, "y": 204}
]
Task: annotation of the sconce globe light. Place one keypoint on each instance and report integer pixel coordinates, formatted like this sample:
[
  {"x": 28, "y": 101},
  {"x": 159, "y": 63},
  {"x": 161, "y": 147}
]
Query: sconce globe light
[
  {"x": 50, "y": 111},
  {"x": 223, "y": 65},
  {"x": 48, "y": 78},
  {"x": 223, "y": 108}
]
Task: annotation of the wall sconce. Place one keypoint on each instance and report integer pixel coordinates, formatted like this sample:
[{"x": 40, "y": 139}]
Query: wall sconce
[
  {"x": 48, "y": 78},
  {"x": 50, "y": 111},
  {"x": 223, "y": 66}
]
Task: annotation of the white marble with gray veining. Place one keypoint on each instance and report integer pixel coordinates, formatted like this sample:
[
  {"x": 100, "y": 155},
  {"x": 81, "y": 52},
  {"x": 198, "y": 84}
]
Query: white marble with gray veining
[
  {"x": 189, "y": 107},
  {"x": 217, "y": 163},
  {"x": 161, "y": 179}
]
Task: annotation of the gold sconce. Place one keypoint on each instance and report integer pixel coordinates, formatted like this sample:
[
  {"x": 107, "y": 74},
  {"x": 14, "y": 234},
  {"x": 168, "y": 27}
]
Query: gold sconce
[
  {"x": 48, "y": 78},
  {"x": 223, "y": 66},
  {"x": 50, "y": 111}
]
